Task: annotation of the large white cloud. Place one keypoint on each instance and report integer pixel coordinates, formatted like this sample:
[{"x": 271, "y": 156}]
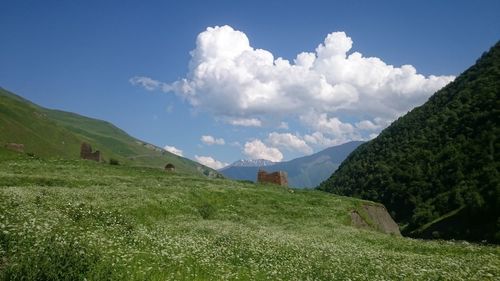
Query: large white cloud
[
  {"x": 210, "y": 162},
  {"x": 173, "y": 149},
  {"x": 351, "y": 95},
  {"x": 210, "y": 140},
  {"x": 256, "y": 149},
  {"x": 229, "y": 77},
  {"x": 289, "y": 142}
]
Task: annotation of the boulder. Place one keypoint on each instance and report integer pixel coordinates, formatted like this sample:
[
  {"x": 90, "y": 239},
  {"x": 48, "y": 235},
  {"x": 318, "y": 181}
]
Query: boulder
[{"x": 378, "y": 218}]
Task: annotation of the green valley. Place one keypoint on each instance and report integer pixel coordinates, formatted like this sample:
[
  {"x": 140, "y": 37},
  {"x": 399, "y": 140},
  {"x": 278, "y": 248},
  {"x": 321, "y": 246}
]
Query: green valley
[
  {"x": 83, "y": 220},
  {"x": 250, "y": 140}
]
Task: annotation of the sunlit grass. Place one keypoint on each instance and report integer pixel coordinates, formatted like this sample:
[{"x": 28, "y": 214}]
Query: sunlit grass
[{"x": 71, "y": 220}]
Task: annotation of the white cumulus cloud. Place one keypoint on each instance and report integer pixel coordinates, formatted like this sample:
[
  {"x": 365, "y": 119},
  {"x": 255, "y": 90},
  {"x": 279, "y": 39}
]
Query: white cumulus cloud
[
  {"x": 256, "y": 149},
  {"x": 351, "y": 95},
  {"x": 149, "y": 83},
  {"x": 330, "y": 125},
  {"x": 173, "y": 149},
  {"x": 210, "y": 140},
  {"x": 376, "y": 124},
  {"x": 210, "y": 162},
  {"x": 283, "y": 126},
  {"x": 317, "y": 138},
  {"x": 230, "y": 77},
  {"x": 245, "y": 122},
  {"x": 289, "y": 141}
]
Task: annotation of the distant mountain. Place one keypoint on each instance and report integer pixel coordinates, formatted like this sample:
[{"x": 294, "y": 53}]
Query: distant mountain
[
  {"x": 437, "y": 169},
  {"x": 303, "y": 172},
  {"x": 250, "y": 163},
  {"x": 55, "y": 133}
]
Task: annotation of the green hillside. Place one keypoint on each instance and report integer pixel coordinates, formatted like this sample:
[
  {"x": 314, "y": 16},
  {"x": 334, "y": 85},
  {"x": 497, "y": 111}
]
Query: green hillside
[
  {"x": 54, "y": 133},
  {"x": 437, "y": 168},
  {"x": 82, "y": 220}
]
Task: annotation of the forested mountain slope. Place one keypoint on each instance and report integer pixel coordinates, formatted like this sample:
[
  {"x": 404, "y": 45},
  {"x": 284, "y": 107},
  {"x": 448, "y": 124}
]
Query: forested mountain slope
[{"x": 436, "y": 169}]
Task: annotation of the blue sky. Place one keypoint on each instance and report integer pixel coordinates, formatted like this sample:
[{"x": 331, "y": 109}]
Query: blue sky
[{"x": 243, "y": 86}]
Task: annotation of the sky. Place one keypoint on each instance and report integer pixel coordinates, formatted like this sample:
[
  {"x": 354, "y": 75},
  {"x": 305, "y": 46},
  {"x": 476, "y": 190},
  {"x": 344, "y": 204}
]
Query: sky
[{"x": 218, "y": 81}]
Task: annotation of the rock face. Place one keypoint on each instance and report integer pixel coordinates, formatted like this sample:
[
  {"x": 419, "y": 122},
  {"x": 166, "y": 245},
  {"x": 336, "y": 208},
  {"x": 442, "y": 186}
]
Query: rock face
[
  {"x": 378, "y": 218},
  {"x": 86, "y": 152},
  {"x": 358, "y": 221},
  {"x": 279, "y": 178},
  {"x": 19, "y": 147}
]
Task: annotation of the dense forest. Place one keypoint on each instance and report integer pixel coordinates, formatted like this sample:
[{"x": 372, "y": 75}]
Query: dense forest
[{"x": 436, "y": 169}]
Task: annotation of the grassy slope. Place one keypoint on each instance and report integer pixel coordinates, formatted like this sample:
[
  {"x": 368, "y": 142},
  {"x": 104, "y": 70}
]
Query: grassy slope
[
  {"x": 22, "y": 122},
  {"x": 54, "y": 133},
  {"x": 70, "y": 219}
]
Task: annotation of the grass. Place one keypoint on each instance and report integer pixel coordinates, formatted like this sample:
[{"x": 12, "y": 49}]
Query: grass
[
  {"x": 80, "y": 220},
  {"x": 46, "y": 132}
]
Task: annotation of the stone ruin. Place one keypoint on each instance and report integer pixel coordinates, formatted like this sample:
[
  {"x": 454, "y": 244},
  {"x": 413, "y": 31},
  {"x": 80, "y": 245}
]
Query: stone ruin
[
  {"x": 169, "y": 167},
  {"x": 86, "y": 152},
  {"x": 279, "y": 178},
  {"x": 19, "y": 147}
]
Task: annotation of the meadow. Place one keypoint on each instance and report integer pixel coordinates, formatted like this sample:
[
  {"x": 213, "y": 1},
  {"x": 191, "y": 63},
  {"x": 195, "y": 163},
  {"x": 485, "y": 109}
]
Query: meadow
[{"x": 81, "y": 220}]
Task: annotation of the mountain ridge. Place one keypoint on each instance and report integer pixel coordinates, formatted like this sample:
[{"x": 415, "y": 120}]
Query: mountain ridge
[
  {"x": 249, "y": 163},
  {"x": 303, "y": 172}
]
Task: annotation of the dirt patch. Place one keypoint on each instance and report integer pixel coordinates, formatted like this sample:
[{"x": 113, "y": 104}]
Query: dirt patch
[
  {"x": 377, "y": 217},
  {"x": 19, "y": 147}
]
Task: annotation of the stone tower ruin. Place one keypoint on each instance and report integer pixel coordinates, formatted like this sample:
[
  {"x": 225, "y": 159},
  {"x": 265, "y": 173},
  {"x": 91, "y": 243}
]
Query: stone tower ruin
[
  {"x": 86, "y": 152},
  {"x": 279, "y": 178}
]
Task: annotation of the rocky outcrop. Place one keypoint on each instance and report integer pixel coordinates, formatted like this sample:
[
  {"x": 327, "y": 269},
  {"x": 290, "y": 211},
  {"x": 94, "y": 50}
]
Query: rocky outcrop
[
  {"x": 279, "y": 178},
  {"x": 86, "y": 152},
  {"x": 375, "y": 217}
]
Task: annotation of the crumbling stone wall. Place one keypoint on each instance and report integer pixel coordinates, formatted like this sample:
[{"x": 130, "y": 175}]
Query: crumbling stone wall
[
  {"x": 279, "y": 177},
  {"x": 86, "y": 152},
  {"x": 169, "y": 167}
]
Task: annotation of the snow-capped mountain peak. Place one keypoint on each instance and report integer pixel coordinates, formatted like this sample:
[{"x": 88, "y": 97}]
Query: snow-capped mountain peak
[{"x": 251, "y": 163}]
